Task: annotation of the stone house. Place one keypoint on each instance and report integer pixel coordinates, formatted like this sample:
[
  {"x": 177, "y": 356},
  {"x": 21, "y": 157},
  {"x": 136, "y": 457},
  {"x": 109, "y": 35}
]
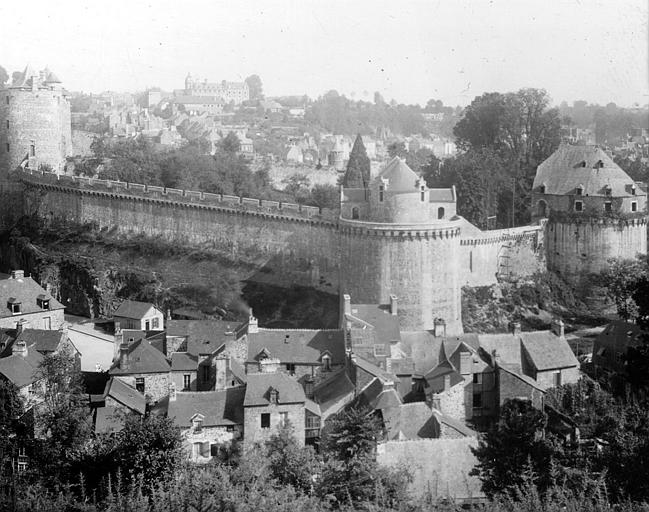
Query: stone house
[
  {"x": 22, "y": 368},
  {"x": 210, "y": 421},
  {"x": 303, "y": 353},
  {"x": 141, "y": 316},
  {"x": 111, "y": 407},
  {"x": 22, "y": 298},
  {"x": 144, "y": 368},
  {"x": 272, "y": 400},
  {"x": 184, "y": 370},
  {"x": 612, "y": 346}
]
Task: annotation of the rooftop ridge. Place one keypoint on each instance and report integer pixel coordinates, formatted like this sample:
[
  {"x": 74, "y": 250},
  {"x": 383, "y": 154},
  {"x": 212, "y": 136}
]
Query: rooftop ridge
[{"x": 299, "y": 330}]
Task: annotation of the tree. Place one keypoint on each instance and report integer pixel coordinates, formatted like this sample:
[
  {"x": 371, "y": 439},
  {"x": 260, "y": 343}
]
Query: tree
[
  {"x": 4, "y": 76},
  {"x": 291, "y": 464},
  {"x": 255, "y": 87},
  {"x": 230, "y": 143},
  {"x": 352, "y": 433},
  {"x": 620, "y": 278},
  {"x": 358, "y": 166},
  {"x": 397, "y": 149},
  {"x": 325, "y": 196},
  {"x": 11, "y": 423},
  {"x": 512, "y": 446}
]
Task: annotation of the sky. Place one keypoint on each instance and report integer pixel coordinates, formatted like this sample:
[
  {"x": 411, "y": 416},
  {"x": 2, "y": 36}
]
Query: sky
[{"x": 409, "y": 50}]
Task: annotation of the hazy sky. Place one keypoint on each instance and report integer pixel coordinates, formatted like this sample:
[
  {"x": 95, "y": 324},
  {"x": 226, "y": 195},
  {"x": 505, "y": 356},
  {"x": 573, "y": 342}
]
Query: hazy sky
[{"x": 453, "y": 50}]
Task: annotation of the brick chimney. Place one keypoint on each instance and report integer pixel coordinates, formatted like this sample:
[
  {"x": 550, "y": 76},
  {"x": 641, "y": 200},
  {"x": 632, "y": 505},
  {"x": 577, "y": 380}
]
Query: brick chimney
[
  {"x": 440, "y": 327},
  {"x": 253, "y": 324},
  {"x": 515, "y": 328},
  {"x": 172, "y": 392},
  {"x": 558, "y": 327},
  {"x": 347, "y": 304},
  {"x": 17, "y": 274},
  {"x": 19, "y": 349},
  {"x": 437, "y": 401},
  {"x": 394, "y": 305},
  {"x": 123, "y": 356},
  {"x": 21, "y": 325}
]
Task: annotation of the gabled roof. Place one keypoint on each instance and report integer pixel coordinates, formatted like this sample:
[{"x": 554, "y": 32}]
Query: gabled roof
[
  {"x": 218, "y": 408},
  {"x": 45, "y": 340},
  {"x": 410, "y": 421},
  {"x": 142, "y": 358},
  {"x": 133, "y": 309},
  {"x": 22, "y": 371},
  {"x": 441, "y": 195},
  {"x": 258, "y": 385},
  {"x": 401, "y": 177},
  {"x": 205, "y": 336},
  {"x": 182, "y": 361},
  {"x": 373, "y": 370},
  {"x": 126, "y": 395},
  {"x": 506, "y": 345},
  {"x": 24, "y": 290},
  {"x": 528, "y": 380},
  {"x": 386, "y": 325},
  {"x": 108, "y": 419},
  {"x": 334, "y": 390},
  {"x": 453, "y": 423},
  {"x": 297, "y": 346},
  {"x": 238, "y": 370},
  {"x": 546, "y": 351},
  {"x": 590, "y": 166}
]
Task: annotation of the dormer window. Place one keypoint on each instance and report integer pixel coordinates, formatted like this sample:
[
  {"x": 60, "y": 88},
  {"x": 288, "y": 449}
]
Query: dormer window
[
  {"x": 598, "y": 165},
  {"x": 633, "y": 189},
  {"x": 326, "y": 362},
  {"x": 580, "y": 190},
  {"x": 274, "y": 396},
  {"x": 542, "y": 189},
  {"x": 14, "y": 305},
  {"x": 43, "y": 301},
  {"x": 197, "y": 423},
  {"x": 607, "y": 190}
]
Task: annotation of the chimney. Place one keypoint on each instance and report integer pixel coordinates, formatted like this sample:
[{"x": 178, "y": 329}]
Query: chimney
[
  {"x": 172, "y": 392},
  {"x": 19, "y": 349},
  {"x": 22, "y": 324},
  {"x": 440, "y": 328},
  {"x": 123, "y": 356},
  {"x": 515, "y": 328},
  {"x": 466, "y": 363},
  {"x": 168, "y": 314},
  {"x": 347, "y": 304},
  {"x": 269, "y": 365},
  {"x": 118, "y": 328},
  {"x": 17, "y": 274},
  {"x": 495, "y": 358},
  {"x": 447, "y": 382},
  {"x": 557, "y": 327},
  {"x": 437, "y": 401},
  {"x": 253, "y": 325},
  {"x": 394, "y": 307}
]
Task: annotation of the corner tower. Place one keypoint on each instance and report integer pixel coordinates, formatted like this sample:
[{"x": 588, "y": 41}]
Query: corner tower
[
  {"x": 35, "y": 123},
  {"x": 398, "y": 237},
  {"x": 595, "y": 210}
]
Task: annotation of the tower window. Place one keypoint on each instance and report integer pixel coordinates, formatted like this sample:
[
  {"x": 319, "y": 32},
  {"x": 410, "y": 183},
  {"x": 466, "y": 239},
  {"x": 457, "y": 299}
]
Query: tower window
[
  {"x": 355, "y": 212},
  {"x": 542, "y": 189},
  {"x": 579, "y": 206},
  {"x": 32, "y": 149},
  {"x": 7, "y": 147},
  {"x": 608, "y": 206},
  {"x": 607, "y": 190},
  {"x": 634, "y": 206},
  {"x": 423, "y": 194},
  {"x": 440, "y": 212},
  {"x": 381, "y": 190}
]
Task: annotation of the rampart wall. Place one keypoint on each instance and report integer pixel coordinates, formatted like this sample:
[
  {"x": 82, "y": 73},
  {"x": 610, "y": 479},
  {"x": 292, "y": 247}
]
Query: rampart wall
[{"x": 297, "y": 241}]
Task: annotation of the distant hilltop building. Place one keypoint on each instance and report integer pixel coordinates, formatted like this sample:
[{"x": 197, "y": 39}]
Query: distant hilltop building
[
  {"x": 595, "y": 210},
  {"x": 35, "y": 122},
  {"x": 236, "y": 92}
]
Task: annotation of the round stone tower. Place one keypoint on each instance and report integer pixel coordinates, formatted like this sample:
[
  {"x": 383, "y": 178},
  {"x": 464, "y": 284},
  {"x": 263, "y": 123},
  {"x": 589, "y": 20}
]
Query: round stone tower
[
  {"x": 398, "y": 237},
  {"x": 35, "y": 123},
  {"x": 595, "y": 211}
]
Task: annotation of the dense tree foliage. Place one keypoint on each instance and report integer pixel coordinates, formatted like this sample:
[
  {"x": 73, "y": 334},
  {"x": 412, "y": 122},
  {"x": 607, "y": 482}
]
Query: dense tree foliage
[
  {"x": 4, "y": 76},
  {"x": 255, "y": 87}
]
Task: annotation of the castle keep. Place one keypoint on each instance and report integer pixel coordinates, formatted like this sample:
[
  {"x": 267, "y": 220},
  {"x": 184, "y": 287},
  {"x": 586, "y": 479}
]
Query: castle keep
[{"x": 35, "y": 127}]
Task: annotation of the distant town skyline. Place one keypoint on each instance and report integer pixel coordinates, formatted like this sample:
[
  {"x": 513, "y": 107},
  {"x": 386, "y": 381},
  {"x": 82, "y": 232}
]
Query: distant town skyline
[{"x": 593, "y": 50}]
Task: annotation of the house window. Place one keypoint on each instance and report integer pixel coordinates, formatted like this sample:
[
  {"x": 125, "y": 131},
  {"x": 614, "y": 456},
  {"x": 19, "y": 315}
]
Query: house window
[
  {"x": 477, "y": 378},
  {"x": 7, "y": 147},
  {"x": 440, "y": 212},
  {"x": 274, "y": 395},
  {"x": 229, "y": 428},
  {"x": 379, "y": 350},
  {"x": 423, "y": 194},
  {"x": 355, "y": 213},
  {"x": 7, "y": 98},
  {"x": 608, "y": 206},
  {"x": 579, "y": 206},
  {"x": 155, "y": 322},
  {"x": 14, "y": 306},
  {"x": 326, "y": 363},
  {"x": 206, "y": 373},
  {"x": 542, "y": 189},
  {"x": 265, "y": 420},
  {"x": 139, "y": 384},
  {"x": 47, "y": 323},
  {"x": 283, "y": 419},
  {"x": 634, "y": 206},
  {"x": 290, "y": 368},
  {"x": 580, "y": 190},
  {"x": 477, "y": 400},
  {"x": 608, "y": 190},
  {"x": 556, "y": 379},
  {"x": 381, "y": 190},
  {"x": 187, "y": 379},
  {"x": 312, "y": 422},
  {"x": 633, "y": 190},
  {"x": 198, "y": 424},
  {"x": 32, "y": 149}
]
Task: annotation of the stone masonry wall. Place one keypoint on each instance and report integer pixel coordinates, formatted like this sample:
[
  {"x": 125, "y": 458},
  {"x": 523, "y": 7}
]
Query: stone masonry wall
[
  {"x": 156, "y": 385},
  {"x": 253, "y": 433},
  {"x": 36, "y": 320}
]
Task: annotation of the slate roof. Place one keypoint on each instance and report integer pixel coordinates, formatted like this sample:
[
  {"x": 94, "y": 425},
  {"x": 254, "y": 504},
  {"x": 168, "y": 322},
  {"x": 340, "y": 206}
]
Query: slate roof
[
  {"x": 425, "y": 349},
  {"x": 22, "y": 371},
  {"x": 524, "y": 378},
  {"x": 386, "y": 325},
  {"x": 546, "y": 351},
  {"x": 441, "y": 195},
  {"x": 182, "y": 361},
  {"x": 258, "y": 385},
  {"x": 142, "y": 358},
  {"x": 125, "y": 395},
  {"x": 561, "y": 173},
  {"x": 108, "y": 419},
  {"x": 219, "y": 408},
  {"x": 333, "y": 390},
  {"x": 198, "y": 100},
  {"x": 133, "y": 309},
  {"x": 45, "y": 340},
  {"x": 410, "y": 421},
  {"x": 373, "y": 370},
  {"x": 297, "y": 346},
  {"x": 401, "y": 177},
  {"x": 238, "y": 370},
  {"x": 455, "y": 424},
  {"x": 205, "y": 336},
  {"x": 507, "y": 346},
  {"x": 24, "y": 290}
]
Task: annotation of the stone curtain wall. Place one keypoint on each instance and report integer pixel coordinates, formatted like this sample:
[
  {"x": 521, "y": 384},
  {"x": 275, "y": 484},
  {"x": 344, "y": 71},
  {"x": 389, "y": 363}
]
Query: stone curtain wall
[{"x": 295, "y": 240}]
